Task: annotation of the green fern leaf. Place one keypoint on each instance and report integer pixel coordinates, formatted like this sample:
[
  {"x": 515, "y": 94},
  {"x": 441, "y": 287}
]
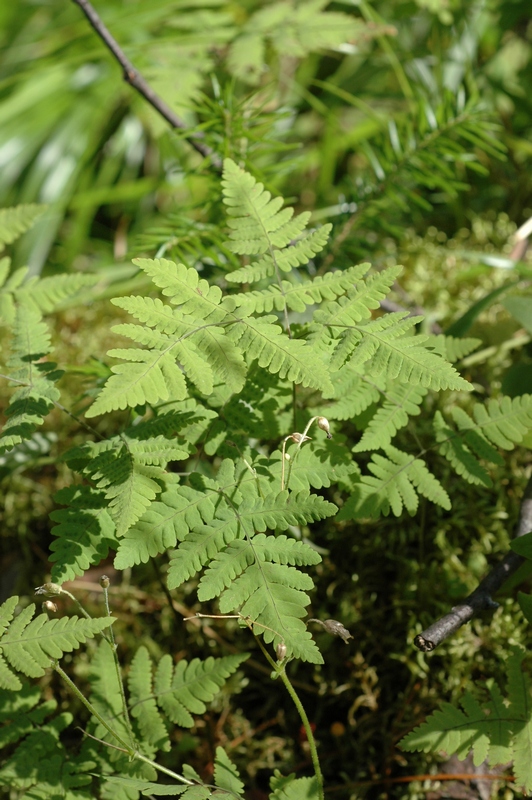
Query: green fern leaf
[
  {"x": 455, "y": 450},
  {"x": 499, "y": 731},
  {"x": 48, "y": 294},
  {"x": 402, "y": 402},
  {"x": 394, "y": 484},
  {"x": 452, "y": 348},
  {"x": 309, "y": 467},
  {"x": 184, "y": 690},
  {"x": 294, "y": 255},
  {"x": 201, "y": 546},
  {"x": 382, "y": 346},
  {"x": 15, "y": 221},
  {"x": 142, "y": 703},
  {"x": 106, "y": 697},
  {"x": 84, "y": 534},
  {"x": 291, "y": 788},
  {"x": 226, "y": 775},
  {"x": 504, "y": 422},
  {"x": 263, "y": 339},
  {"x": 268, "y": 593},
  {"x": 296, "y": 296},
  {"x": 29, "y": 645},
  {"x": 355, "y": 393},
  {"x": 166, "y": 522}
]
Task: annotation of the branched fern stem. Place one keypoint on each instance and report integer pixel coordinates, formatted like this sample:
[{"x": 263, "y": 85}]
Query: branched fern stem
[
  {"x": 131, "y": 752},
  {"x": 117, "y": 667},
  {"x": 280, "y": 670}
]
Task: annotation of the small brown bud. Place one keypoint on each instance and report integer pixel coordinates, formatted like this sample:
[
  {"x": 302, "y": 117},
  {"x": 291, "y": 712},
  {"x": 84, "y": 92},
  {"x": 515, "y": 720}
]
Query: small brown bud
[
  {"x": 281, "y": 651},
  {"x": 105, "y": 582},
  {"x": 298, "y": 438},
  {"x": 49, "y": 607},
  {"x": 323, "y": 423},
  {"x": 52, "y": 589}
]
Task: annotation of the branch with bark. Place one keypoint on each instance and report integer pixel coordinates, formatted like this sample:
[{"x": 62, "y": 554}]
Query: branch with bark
[
  {"x": 135, "y": 79},
  {"x": 482, "y": 598}
]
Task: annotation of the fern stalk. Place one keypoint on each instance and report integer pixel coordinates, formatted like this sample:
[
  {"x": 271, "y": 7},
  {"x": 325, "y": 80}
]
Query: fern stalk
[
  {"x": 279, "y": 669},
  {"x": 131, "y": 752}
]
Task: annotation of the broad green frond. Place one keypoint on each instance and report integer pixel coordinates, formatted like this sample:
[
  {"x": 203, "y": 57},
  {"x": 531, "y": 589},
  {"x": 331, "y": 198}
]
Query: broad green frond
[
  {"x": 297, "y": 296},
  {"x": 36, "y": 378},
  {"x": 84, "y": 534},
  {"x": 47, "y": 294},
  {"x": 401, "y": 403},
  {"x": 184, "y": 689},
  {"x": 273, "y": 596},
  {"x": 264, "y": 340},
  {"x": 142, "y": 703},
  {"x": 29, "y": 645},
  {"x": 261, "y": 223},
  {"x": 226, "y": 775},
  {"x": 15, "y": 221},
  {"x": 452, "y": 348},
  {"x": 166, "y": 522},
  {"x": 291, "y": 788},
  {"x": 383, "y": 347},
  {"x": 492, "y": 729},
  {"x": 184, "y": 288},
  {"x": 333, "y": 318},
  {"x": 201, "y": 546},
  {"x": 355, "y": 393},
  {"x": 395, "y": 483},
  {"x": 106, "y": 697},
  {"x": 501, "y": 423},
  {"x": 294, "y": 255}
]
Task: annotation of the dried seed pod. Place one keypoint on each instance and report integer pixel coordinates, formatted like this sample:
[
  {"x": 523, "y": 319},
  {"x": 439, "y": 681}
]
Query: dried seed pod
[
  {"x": 281, "y": 651},
  {"x": 105, "y": 582},
  {"x": 52, "y": 589},
  {"x": 298, "y": 438},
  {"x": 50, "y": 607},
  {"x": 323, "y": 423},
  {"x": 334, "y": 627}
]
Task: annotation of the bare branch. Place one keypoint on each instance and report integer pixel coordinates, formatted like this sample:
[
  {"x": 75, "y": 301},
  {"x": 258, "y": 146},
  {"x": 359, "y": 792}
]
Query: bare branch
[
  {"x": 134, "y": 78},
  {"x": 481, "y": 599}
]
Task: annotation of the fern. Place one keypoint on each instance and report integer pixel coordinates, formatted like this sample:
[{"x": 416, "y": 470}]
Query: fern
[
  {"x": 30, "y": 645},
  {"x": 171, "y": 694},
  {"x": 496, "y": 729},
  {"x": 402, "y": 402},
  {"x": 396, "y": 480},
  {"x": 501, "y": 423},
  {"x": 16, "y": 221}
]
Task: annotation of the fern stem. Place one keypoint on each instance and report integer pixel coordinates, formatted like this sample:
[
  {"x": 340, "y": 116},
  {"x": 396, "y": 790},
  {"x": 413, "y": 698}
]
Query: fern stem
[
  {"x": 280, "y": 670},
  {"x": 103, "y": 583},
  {"x": 131, "y": 752}
]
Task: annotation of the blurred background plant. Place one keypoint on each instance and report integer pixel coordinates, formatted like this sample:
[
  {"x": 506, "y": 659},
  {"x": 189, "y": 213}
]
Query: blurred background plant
[{"x": 408, "y": 126}]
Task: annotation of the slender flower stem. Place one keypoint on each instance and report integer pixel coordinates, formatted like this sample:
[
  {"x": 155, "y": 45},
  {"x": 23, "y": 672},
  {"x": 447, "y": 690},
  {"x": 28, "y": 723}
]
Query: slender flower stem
[
  {"x": 131, "y": 752},
  {"x": 115, "y": 659},
  {"x": 280, "y": 670}
]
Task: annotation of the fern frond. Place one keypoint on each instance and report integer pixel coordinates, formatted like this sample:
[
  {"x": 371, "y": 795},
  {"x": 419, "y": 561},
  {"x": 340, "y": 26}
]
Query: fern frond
[
  {"x": 16, "y": 221},
  {"x": 355, "y": 393},
  {"x": 31, "y": 402},
  {"x": 401, "y": 403},
  {"x": 452, "y": 348},
  {"x": 47, "y": 294},
  {"x": 313, "y": 467},
  {"x": 29, "y": 645},
  {"x": 226, "y": 775},
  {"x": 384, "y": 348},
  {"x": 106, "y": 697},
  {"x": 84, "y": 534},
  {"x": 395, "y": 483},
  {"x": 184, "y": 690},
  {"x": 291, "y": 788},
  {"x": 259, "y": 583},
  {"x": 297, "y": 296},
  {"x": 264, "y": 340},
  {"x": 501, "y": 423},
  {"x": 166, "y": 522},
  {"x": 143, "y": 706},
  {"x": 295, "y": 255},
  {"x": 495, "y": 730}
]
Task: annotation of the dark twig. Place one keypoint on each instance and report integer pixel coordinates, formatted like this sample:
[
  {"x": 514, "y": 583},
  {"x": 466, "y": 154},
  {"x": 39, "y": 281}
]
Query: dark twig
[
  {"x": 135, "y": 79},
  {"x": 481, "y": 599}
]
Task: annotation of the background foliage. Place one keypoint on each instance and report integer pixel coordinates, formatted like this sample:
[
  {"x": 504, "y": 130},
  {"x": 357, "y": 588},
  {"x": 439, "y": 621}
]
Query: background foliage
[{"x": 407, "y": 128}]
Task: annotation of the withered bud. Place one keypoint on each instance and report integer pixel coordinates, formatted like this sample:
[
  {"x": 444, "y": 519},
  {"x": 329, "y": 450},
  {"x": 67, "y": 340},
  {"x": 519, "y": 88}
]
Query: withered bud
[
  {"x": 335, "y": 628},
  {"x": 287, "y": 456},
  {"x": 50, "y": 607},
  {"x": 281, "y": 651},
  {"x": 53, "y": 589},
  {"x": 323, "y": 423},
  {"x": 105, "y": 582},
  {"x": 298, "y": 438}
]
